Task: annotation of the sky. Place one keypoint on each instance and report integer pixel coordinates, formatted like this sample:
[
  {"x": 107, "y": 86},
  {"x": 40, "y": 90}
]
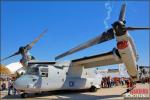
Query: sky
[{"x": 69, "y": 24}]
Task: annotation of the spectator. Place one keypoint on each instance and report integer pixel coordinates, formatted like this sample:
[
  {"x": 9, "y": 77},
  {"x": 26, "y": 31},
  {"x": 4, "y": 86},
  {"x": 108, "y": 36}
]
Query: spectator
[
  {"x": 10, "y": 87},
  {"x": 3, "y": 86},
  {"x": 122, "y": 81},
  {"x": 14, "y": 90},
  {"x": 108, "y": 82}
]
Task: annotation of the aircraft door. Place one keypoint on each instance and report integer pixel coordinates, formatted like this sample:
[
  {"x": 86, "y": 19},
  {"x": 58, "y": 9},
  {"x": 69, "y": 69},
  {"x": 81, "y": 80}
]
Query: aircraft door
[{"x": 44, "y": 78}]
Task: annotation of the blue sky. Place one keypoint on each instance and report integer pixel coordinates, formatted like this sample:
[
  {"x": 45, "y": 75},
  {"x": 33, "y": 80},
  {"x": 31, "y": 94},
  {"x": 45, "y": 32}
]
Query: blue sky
[{"x": 69, "y": 24}]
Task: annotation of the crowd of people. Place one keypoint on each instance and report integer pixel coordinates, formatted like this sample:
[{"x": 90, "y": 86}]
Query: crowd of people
[
  {"x": 108, "y": 82},
  {"x": 9, "y": 87}
]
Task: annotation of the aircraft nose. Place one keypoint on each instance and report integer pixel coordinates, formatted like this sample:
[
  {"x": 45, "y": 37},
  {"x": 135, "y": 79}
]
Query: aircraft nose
[
  {"x": 19, "y": 83},
  {"x": 24, "y": 82}
]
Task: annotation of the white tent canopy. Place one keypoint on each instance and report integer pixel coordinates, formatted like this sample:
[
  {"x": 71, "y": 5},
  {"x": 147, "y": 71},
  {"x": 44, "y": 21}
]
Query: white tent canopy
[{"x": 13, "y": 67}]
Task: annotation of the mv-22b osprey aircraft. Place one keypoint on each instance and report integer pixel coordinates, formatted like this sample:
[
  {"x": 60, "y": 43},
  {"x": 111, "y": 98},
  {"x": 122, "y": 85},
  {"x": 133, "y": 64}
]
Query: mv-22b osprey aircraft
[{"x": 49, "y": 76}]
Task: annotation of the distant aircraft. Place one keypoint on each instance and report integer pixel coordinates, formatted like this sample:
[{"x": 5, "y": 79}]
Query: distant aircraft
[{"x": 49, "y": 76}]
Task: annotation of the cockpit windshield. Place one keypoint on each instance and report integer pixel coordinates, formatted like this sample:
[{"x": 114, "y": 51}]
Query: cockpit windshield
[{"x": 32, "y": 70}]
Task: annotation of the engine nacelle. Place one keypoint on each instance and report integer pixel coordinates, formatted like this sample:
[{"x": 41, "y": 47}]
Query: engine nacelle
[{"x": 128, "y": 58}]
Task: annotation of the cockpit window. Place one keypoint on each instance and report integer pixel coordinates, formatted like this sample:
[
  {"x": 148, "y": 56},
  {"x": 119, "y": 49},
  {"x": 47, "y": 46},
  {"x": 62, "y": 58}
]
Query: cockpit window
[
  {"x": 44, "y": 70},
  {"x": 33, "y": 71}
]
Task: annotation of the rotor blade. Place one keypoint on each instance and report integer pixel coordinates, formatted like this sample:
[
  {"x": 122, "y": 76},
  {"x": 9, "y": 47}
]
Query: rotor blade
[
  {"x": 29, "y": 46},
  {"x": 105, "y": 36},
  {"x": 10, "y": 56},
  {"x": 137, "y": 28},
  {"x": 122, "y": 12}
]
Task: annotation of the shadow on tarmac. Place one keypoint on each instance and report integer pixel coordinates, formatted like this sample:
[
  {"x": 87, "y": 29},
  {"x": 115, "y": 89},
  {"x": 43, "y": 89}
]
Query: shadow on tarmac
[{"x": 70, "y": 95}]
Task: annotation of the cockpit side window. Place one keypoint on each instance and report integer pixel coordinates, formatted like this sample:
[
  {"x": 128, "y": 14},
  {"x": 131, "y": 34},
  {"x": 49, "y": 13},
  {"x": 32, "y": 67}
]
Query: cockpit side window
[
  {"x": 44, "y": 72},
  {"x": 33, "y": 71}
]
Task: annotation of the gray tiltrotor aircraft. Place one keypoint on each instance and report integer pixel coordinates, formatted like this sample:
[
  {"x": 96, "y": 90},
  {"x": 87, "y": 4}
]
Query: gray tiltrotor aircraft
[{"x": 73, "y": 75}]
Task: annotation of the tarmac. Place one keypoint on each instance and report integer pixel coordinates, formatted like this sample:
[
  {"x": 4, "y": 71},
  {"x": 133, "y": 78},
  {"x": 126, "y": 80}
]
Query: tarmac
[{"x": 114, "y": 93}]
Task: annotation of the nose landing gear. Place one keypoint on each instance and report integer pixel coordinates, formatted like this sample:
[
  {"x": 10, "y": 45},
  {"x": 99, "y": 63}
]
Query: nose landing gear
[{"x": 24, "y": 95}]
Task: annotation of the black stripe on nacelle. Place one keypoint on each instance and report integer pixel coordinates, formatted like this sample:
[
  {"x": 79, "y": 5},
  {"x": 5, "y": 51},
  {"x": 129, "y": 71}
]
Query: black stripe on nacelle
[{"x": 41, "y": 62}]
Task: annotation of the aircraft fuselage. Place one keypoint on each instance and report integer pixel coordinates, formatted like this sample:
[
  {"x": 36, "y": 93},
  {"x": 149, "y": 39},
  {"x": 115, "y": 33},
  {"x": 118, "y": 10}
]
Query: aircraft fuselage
[{"x": 49, "y": 77}]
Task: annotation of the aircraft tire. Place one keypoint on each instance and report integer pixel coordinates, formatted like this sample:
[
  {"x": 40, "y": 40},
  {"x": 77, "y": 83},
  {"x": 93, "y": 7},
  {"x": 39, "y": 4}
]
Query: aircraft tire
[
  {"x": 24, "y": 95},
  {"x": 93, "y": 89},
  {"x": 37, "y": 94}
]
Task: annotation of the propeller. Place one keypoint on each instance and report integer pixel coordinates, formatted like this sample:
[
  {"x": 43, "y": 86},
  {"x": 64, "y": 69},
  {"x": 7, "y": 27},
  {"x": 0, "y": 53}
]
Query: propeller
[
  {"x": 137, "y": 28},
  {"x": 29, "y": 46},
  {"x": 17, "y": 53},
  {"x": 118, "y": 29},
  {"x": 105, "y": 36},
  {"x": 23, "y": 50},
  {"x": 122, "y": 13}
]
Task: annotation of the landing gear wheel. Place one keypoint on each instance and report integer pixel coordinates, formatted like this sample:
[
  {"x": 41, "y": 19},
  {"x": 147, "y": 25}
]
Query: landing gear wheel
[
  {"x": 93, "y": 89},
  {"x": 37, "y": 94},
  {"x": 24, "y": 95}
]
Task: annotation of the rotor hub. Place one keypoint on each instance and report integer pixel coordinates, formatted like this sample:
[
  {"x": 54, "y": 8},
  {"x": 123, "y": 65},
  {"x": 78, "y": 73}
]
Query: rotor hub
[
  {"x": 22, "y": 50},
  {"x": 120, "y": 28}
]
